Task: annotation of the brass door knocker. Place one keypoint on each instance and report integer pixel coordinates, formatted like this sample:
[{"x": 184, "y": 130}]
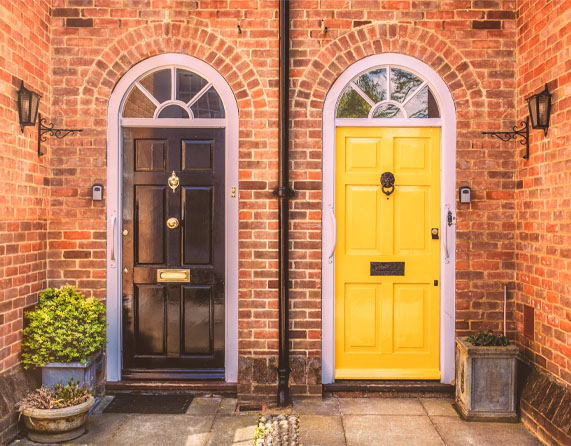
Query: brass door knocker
[
  {"x": 173, "y": 181},
  {"x": 387, "y": 181}
]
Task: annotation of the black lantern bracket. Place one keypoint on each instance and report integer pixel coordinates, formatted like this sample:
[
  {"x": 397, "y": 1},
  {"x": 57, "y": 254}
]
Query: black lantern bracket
[
  {"x": 522, "y": 132},
  {"x": 44, "y": 128}
]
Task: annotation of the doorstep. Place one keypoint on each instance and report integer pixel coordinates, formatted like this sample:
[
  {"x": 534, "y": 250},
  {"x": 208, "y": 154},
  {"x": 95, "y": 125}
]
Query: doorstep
[
  {"x": 218, "y": 387},
  {"x": 388, "y": 389}
]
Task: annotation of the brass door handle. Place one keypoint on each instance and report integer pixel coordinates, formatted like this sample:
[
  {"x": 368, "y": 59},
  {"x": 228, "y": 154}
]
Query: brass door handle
[{"x": 172, "y": 223}]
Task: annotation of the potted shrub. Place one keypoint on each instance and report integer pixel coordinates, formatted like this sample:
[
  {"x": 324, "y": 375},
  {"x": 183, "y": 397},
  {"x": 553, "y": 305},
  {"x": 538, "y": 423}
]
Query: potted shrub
[
  {"x": 64, "y": 336},
  {"x": 486, "y": 377},
  {"x": 56, "y": 414}
]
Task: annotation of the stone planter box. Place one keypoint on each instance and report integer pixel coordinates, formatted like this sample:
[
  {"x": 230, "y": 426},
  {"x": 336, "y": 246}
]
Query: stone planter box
[
  {"x": 56, "y": 425},
  {"x": 486, "y": 381},
  {"x": 61, "y": 372}
]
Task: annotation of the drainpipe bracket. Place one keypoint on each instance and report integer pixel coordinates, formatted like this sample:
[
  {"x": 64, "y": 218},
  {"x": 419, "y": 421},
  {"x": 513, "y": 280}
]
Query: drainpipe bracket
[{"x": 284, "y": 192}]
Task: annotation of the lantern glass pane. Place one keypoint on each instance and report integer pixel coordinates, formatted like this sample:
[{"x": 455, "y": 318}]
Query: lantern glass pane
[
  {"x": 532, "y": 102},
  {"x": 34, "y": 104},
  {"x": 543, "y": 103},
  {"x": 25, "y": 107}
]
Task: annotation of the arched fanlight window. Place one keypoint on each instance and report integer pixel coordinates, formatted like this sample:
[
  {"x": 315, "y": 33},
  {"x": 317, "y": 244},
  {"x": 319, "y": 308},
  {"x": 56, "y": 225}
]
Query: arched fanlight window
[
  {"x": 387, "y": 92},
  {"x": 173, "y": 93}
]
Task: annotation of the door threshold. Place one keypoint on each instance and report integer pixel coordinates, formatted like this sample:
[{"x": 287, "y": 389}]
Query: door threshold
[
  {"x": 199, "y": 386},
  {"x": 363, "y": 388}
]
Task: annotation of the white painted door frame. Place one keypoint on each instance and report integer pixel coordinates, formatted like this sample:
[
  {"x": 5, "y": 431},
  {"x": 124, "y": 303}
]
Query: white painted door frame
[
  {"x": 114, "y": 201},
  {"x": 447, "y": 122}
]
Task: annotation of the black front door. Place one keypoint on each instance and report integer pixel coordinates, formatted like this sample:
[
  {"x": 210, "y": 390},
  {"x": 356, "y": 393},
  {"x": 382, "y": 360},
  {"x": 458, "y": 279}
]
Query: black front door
[{"x": 173, "y": 253}]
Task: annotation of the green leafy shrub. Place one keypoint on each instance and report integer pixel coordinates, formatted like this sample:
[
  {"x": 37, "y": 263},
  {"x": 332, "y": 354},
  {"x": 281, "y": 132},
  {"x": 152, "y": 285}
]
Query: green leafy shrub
[
  {"x": 70, "y": 394},
  {"x": 64, "y": 327},
  {"x": 488, "y": 339}
]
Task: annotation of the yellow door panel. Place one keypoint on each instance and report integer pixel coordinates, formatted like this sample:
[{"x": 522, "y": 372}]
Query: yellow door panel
[
  {"x": 361, "y": 318},
  {"x": 411, "y": 214},
  {"x": 387, "y": 326}
]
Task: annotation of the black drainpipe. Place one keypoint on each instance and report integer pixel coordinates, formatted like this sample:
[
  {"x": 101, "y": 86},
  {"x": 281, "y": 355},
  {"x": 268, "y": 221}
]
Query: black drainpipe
[{"x": 283, "y": 192}]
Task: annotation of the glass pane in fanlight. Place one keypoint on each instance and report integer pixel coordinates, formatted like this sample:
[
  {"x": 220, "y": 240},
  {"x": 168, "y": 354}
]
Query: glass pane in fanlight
[
  {"x": 188, "y": 84},
  {"x": 374, "y": 84},
  {"x": 158, "y": 84},
  {"x": 352, "y": 105},
  {"x": 208, "y": 106},
  {"x": 388, "y": 111},
  {"x": 138, "y": 105},
  {"x": 403, "y": 84},
  {"x": 173, "y": 111},
  {"x": 422, "y": 105}
]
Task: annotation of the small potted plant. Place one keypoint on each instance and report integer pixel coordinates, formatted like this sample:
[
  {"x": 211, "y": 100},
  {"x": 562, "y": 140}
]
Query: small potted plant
[
  {"x": 486, "y": 377},
  {"x": 64, "y": 336},
  {"x": 55, "y": 414}
]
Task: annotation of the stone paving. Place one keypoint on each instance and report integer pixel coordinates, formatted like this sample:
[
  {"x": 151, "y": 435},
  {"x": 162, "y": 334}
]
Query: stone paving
[{"x": 213, "y": 421}]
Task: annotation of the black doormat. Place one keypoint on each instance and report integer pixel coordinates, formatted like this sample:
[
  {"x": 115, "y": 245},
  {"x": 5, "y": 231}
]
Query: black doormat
[{"x": 157, "y": 404}]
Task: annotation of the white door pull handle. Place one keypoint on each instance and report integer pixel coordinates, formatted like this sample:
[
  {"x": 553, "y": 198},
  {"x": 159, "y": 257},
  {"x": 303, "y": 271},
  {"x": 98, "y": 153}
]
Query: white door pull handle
[{"x": 334, "y": 233}]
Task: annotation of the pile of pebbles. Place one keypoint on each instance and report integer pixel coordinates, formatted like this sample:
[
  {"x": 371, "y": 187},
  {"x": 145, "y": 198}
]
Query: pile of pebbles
[{"x": 277, "y": 430}]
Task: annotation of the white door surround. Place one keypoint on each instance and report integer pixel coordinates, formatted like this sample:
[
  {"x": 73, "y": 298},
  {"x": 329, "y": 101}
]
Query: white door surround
[
  {"x": 447, "y": 123},
  {"x": 114, "y": 202}
]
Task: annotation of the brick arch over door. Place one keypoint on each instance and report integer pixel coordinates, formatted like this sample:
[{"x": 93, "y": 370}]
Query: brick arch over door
[
  {"x": 189, "y": 39},
  {"x": 424, "y": 45}
]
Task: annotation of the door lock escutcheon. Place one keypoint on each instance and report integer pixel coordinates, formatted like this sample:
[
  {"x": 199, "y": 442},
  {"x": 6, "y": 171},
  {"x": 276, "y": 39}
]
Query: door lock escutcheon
[{"x": 434, "y": 233}]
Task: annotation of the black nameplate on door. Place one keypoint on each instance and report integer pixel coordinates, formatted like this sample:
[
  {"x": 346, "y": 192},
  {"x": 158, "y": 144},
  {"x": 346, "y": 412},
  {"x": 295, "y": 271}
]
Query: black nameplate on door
[{"x": 387, "y": 268}]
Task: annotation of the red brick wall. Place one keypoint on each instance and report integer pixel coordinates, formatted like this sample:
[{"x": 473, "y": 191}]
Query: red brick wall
[
  {"x": 543, "y": 197},
  {"x": 24, "y": 178},
  {"x": 470, "y": 44}
]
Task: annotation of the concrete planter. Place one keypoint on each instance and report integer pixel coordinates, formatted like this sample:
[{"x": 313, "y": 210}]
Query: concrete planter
[
  {"x": 56, "y": 425},
  {"x": 61, "y": 372},
  {"x": 486, "y": 381}
]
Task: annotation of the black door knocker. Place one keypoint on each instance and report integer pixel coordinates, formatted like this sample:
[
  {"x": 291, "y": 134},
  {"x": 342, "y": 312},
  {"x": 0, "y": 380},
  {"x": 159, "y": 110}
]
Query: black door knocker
[{"x": 387, "y": 181}]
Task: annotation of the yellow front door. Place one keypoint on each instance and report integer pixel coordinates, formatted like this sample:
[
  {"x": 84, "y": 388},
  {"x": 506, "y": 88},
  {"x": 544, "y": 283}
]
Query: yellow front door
[{"x": 387, "y": 263}]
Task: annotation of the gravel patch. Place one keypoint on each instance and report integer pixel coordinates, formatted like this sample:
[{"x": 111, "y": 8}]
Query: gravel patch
[{"x": 277, "y": 430}]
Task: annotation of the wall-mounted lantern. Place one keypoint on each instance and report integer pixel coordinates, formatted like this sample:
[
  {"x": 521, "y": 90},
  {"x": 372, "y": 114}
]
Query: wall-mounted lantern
[
  {"x": 539, "y": 110},
  {"x": 28, "y": 104}
]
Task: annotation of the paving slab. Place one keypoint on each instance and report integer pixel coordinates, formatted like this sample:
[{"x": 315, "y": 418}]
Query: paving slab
[
  {"x": 321, "y": 430},
  {"x": 457, "y": 432},
  {"x": 316, "y": 406},
  {"x": 380, "y": 406},
  {"x": 101, "y": 428},
  {"x": 231, "y": 430},
  {"x": 204, "y": 406},
  {"x": 163, "y": 430},
  {"x": 227, "y": 406},
  {"x": 439, "y": 406},
  {"x": 390, "y": 430}
]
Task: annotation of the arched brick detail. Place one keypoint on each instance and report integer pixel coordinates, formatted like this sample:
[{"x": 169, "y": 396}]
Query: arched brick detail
[
  {"x": 190, "y": 39},
  {"x": 423, "y": 44}
]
